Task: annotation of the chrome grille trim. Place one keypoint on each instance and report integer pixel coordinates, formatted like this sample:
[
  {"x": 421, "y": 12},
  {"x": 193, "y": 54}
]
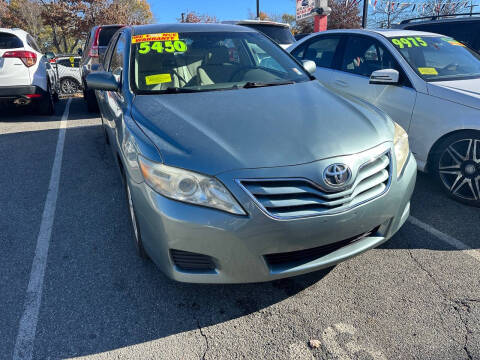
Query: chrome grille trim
[{"x": 294, "y": 198}]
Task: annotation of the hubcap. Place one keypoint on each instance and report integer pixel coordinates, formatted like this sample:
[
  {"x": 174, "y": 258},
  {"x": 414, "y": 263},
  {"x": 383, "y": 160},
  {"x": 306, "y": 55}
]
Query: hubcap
[
  {"x": 132, "y": 213},
  {"x": 69, "y": 87},
  {"x": 459, "y": 169}
]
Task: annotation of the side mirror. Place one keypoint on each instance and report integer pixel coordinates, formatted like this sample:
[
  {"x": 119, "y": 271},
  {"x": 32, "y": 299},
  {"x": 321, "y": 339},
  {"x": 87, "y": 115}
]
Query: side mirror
[
  {"x": 49, "y": 55},
  {"x": 80, "y": 52},
  {"x": 385, "y": 77},
  {"x": 310, "y": 66},
  {"x": 102, "y": 80}
]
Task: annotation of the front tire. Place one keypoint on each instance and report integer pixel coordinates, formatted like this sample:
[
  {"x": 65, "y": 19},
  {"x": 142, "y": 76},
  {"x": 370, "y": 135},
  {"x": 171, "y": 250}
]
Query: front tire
[{"x": 456, "y": 165}]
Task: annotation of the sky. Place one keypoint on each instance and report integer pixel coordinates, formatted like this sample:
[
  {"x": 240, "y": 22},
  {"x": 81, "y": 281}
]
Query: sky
[{"x": 169, "y": 11}]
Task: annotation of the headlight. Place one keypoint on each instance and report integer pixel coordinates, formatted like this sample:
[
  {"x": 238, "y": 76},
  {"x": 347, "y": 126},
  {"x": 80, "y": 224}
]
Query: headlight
[
  {"x": 400, "y": 142},
  {"x": 188, "y": 186}
]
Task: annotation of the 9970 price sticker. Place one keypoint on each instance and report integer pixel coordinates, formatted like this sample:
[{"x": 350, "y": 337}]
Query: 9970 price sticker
[{"x": 162, "y": 46}]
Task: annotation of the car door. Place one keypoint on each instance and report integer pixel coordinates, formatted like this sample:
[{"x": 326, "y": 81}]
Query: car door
[
  {"x": 322, "y": 50},
  {"x": 361, "y": 56}
]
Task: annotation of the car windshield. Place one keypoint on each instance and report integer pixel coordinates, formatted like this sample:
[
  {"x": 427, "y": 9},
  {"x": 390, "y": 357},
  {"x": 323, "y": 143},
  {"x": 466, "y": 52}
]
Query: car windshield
[
  {"x": 438, "y": 58},
  {"x": 280, "y": 34},
  {"x": 209, "y": 61}
]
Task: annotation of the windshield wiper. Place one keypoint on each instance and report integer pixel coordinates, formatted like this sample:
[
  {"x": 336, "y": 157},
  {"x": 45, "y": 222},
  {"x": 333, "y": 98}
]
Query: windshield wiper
[
  {"x": 251, "y": 84},
  {"x": 176, "y": 90}
]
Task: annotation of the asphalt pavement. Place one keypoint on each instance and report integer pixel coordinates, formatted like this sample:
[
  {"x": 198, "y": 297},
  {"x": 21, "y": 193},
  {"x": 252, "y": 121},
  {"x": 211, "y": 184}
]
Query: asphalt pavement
[{"x": 415, "y": 297}]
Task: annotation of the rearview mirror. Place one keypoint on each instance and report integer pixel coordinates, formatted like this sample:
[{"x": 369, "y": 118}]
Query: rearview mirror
[
  {"x": 385, "y": 77},
  {"x": 310, "y": 66},
  {"x": 102, "y": 80}
]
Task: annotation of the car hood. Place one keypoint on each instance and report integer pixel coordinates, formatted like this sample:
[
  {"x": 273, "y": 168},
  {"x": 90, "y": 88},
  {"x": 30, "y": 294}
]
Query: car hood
[
  {"x": 465, "y": 92},
  {"x": 218, "y": 131}
]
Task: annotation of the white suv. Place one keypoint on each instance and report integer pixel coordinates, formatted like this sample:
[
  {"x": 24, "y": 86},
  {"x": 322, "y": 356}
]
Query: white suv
[{"x": 26, "y": 77}]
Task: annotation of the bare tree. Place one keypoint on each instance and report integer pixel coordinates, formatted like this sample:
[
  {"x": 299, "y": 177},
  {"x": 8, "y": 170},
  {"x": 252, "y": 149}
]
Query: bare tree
[
  {"x": 440, "y": 7},
  {"x": 344, "y": 15},
  {"x": 387, "y": 12},
  {"x": 194, "y": 17}
]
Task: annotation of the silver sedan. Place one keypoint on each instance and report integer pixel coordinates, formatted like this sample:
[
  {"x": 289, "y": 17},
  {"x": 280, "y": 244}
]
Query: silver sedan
[{"x": 238, "y": 165}]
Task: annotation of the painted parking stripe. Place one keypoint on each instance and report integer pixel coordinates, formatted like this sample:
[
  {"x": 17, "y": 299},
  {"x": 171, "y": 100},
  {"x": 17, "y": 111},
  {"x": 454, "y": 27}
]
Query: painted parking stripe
[
  {"x": 446, "y": 238},
  {"x": 28, "y": 322}
]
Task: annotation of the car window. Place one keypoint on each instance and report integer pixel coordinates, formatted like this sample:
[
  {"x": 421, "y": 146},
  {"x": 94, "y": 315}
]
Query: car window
[
  {"x": 106, "y": 34},
  {"x": 207, "y": 61},
  {"x": 438, "y": 58},
  {"x": 322, "y": 51},
  {"x": 365, "y": 55},
  {"x": 116, "y": 63},
  {"x": 70, "y": 62},
  {"x": 32, "y": 43},
  {"x": 262, "y": 58},
  {"x": 10, "y": 41},
  {"x": 108, "y": 54},
  {"x": 279, "y": 34},
  {"x": 466, "y": 32}
]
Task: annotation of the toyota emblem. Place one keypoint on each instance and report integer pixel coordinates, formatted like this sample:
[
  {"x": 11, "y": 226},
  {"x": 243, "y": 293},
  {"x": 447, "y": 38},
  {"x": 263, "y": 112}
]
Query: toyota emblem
[{"x": 337, "y": 175}]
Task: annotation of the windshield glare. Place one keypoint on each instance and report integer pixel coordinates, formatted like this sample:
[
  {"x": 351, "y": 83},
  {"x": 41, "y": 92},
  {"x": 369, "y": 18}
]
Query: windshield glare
[
  {"x": 438, "y": 58},
  {"x": 209, "y": 61}
]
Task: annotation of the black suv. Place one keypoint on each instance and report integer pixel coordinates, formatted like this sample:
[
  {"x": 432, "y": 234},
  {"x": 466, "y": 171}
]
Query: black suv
[{"x": 462, "y": 27}]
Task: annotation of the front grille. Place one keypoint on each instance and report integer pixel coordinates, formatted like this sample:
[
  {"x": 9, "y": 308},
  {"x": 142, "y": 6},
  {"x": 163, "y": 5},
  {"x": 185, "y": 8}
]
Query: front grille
[
  {"x": 189, "y": 261},
  {"x": 279, "y": 261},
  {"x": 293, "y": 198}
]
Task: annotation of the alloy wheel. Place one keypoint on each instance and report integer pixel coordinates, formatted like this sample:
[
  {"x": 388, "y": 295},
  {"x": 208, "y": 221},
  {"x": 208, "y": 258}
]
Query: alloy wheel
[
  {"x": 69, "y": 86},
  {"x": 459, "y": 169}
]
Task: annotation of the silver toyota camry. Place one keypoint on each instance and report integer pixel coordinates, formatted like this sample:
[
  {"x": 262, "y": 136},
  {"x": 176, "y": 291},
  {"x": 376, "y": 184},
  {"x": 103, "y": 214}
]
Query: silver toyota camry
[{"x": 238, "y": 165}]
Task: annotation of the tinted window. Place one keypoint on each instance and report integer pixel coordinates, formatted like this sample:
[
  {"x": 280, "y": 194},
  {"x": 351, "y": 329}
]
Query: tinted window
[
  {"x": 322, "y": 51},
  {"x": 106, "y": 34},
  {"x": 32, "y": 43},
  {"x": 465, "y": 32},
  {"x": 116, "y": 64},
  {"x": 280, "y": 34},
  {"x": 10, "y": 41},
  {"x": 365, "y": 55}
]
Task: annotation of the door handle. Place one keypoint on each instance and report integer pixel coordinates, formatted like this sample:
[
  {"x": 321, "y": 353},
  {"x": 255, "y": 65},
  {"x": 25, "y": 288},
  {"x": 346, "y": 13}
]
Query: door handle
[{"x": 341, "y": 83}]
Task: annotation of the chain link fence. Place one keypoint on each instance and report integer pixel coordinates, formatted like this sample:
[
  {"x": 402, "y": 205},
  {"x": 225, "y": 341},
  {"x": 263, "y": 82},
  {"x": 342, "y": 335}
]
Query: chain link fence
[{"x": 69, "y": 80}]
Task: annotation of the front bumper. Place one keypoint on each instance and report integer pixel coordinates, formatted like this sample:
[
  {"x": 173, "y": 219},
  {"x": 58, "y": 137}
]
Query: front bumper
[{"x": 238, "y": 244}]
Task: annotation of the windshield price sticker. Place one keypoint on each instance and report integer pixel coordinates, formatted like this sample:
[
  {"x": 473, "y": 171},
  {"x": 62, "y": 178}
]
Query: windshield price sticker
[
  {"x": 158, "y": 79},
  {"x": 427, "y": 71},
  {"x": 162, "y": 46},
  {"x": 409, "y": 42},
  {"x": 154, "y": 37}
]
